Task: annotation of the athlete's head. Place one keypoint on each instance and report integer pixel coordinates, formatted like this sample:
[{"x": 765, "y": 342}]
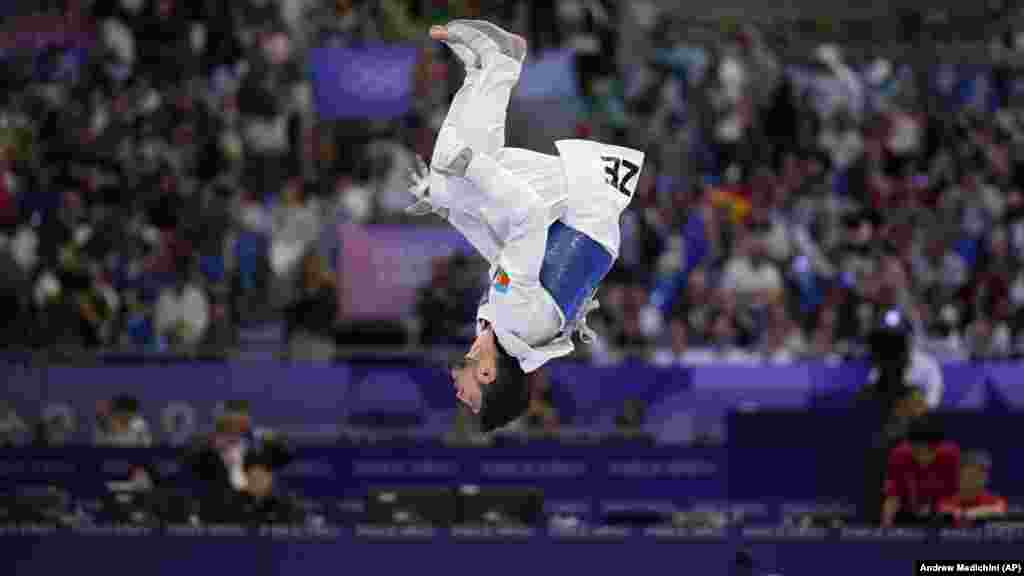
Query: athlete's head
[
  {"x": 491, "y": 382},
  {"x": 924, "y": 436}
]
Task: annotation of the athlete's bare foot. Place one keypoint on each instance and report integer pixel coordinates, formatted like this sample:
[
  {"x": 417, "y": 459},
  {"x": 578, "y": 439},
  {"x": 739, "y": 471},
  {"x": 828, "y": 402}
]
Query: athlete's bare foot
[{"x": 439, "y": 33}]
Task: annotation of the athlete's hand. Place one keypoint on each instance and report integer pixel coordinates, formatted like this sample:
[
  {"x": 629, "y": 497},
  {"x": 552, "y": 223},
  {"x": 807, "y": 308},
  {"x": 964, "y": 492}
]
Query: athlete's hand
[
  {"x": 420, "y": 172},
  {"x": 419, "y": 186}
]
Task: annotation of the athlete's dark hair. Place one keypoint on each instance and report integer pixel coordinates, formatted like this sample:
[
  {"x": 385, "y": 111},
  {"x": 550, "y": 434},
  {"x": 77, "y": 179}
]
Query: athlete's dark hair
[
  {"x": 508, "y": 397},
  {"x": 926, "y": 431}
]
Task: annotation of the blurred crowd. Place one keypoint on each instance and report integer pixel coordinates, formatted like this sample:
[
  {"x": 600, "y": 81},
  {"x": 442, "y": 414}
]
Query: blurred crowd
[
  {"x": 153, "y": 188},
  {"x": 793, "y": 194},
  {"x": 172, "y": 183}
]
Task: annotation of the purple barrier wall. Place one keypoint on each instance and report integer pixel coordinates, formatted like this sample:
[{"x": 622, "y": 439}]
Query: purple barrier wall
[{"x": 682, "y": 402}]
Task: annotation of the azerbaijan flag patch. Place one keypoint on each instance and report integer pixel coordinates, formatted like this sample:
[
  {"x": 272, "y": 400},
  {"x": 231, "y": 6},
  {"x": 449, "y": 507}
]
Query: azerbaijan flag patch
[{"x": 501, "y": 281}]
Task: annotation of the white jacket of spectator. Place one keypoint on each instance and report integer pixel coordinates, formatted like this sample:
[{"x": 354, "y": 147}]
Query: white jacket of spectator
[
  {"x": 839, "y": 89},
  {"x": 393, "y": 193},
  {"x": 905, "y": 134},
  {"x": 747, "y": 281},
  {"x": 25, "y": 248},
  {"x": 732, "y": 75},
  {"x": 778, "y": 239},
  {"x": 190, "y": 309},
  {"x": 267, "y": 136},
  {"x": 294, "y": 230},
  {"x": 844, "y": 148},
  {"x": 120, "y": 40}
]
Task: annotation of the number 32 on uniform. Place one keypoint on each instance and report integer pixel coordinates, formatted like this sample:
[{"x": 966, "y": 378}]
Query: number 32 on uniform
[{"x": 619, "y": 173}]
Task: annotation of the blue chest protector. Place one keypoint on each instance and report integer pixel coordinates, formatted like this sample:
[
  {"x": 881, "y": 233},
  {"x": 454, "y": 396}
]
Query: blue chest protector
[{"x": 574, "y": 265}]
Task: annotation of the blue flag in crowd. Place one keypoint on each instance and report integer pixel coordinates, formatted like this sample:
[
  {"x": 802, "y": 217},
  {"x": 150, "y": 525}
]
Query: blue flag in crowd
[
  {"x": 374, "y": 81},
  {"x": 549, "y": 77}
]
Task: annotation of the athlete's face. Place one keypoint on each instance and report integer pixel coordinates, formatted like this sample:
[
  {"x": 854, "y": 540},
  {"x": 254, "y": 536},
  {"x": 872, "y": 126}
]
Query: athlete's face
[
  {"x": 475, "y": 371},
  {"x": 259, "y": 481},
  {"x": 924, "y": 454}
]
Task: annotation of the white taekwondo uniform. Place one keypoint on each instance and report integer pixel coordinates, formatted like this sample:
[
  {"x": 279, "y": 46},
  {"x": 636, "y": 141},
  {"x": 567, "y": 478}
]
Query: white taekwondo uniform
[{"x": 548, "y": 225}]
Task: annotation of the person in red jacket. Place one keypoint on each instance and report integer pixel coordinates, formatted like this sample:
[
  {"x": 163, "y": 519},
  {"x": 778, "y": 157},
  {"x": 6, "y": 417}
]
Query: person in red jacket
[
  {"x": 922, "y": 471},
  {"x": 973, "y": 501}
]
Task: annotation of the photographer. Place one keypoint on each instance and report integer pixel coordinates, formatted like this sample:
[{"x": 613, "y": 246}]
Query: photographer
[
  {"x": 218, "y": 459},
  {"x": 119, "y": 424},
  {"x": 887, "y": 406},
  {"x": 262, "y": 501}
]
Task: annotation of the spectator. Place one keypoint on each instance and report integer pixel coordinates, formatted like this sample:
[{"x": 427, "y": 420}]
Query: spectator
[
  {"x": 140, "y": 331},
  {"x": 218, "y": 458},
  {"x": 629, "y": 424},
  {"x": 353, "y": 199},
  {"x": 251, "y": 253},
  {"x": 57, "y": 429},
  {"x": 591, "y": 30},
  {"x": 541, "y": 416},
  {"x": 924, "y": 374},
  {"x": 183, "y": 314},
  {"x": 25, "y": 246},
  {"x": 837, "y": 86},
  {"x": 13, "y": 431},
  {"x": 679, "y": 351},
  {"x": 264, "y": 123},
  {"x": 68, "y": 297},
  {"x": 782, "y": 342},
  {"x": 438, "y": 307},
  {"x": 733, "y": 109},
  {"x": 267, "y": 503},
  {"x": 296, "y": 227},
  {"x": 391, "y": 160},
  {"x": 973, "y": 502},
  {"x": 823, "y": 339},
  {"x": 988, "y": 339},
  {"x": 946, "y": 332},
  {"x": 842, "y": 140},
  {"x": 209, "y": 230},
  {"x": 922, "y": 471},
  {"x": 15, "y": 299},
  {"x": 769, "y": 223},
  {"x": 750, "y": 276},
  {"x": 857, "y": 256},
  {"x": 724, "y": 340},
  {"x": 696, "y": 304},
  {"x": 1014, "y": 218},
  {"x": 133, "y": 501},
  {"x": 119, "y": 424},
  {"x": 939, "y": 270},
  {"x": 8, "y": 193},
  {"x": 311, "y": 318},
  {"x": 261, "y": 501}
]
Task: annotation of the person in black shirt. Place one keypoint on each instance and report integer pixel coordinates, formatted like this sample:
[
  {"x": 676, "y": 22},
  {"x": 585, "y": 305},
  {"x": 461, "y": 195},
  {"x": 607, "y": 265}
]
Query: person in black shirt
[
  {"x": 889, "y": 407},
  {"x": 311, "y": 318},
  {"x": 218, "y": 459},
  {"x": 261, "y": 502}
]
